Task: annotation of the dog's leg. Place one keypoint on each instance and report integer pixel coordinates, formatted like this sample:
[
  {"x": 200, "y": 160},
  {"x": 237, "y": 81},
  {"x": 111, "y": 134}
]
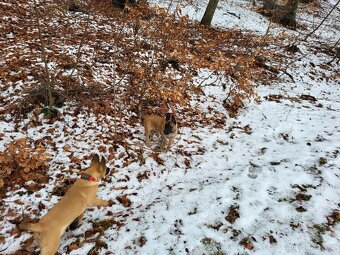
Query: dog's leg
[
  {"x": 35, "y": 227},
  {"x": 147, "y": 138},
  {"x": 100, "y": 202},
  {"x": 171, "y": 140},
  {"x": 76, "y": 223},
  {"x": 162, "y": 142},
  {"x": 49, "y": 244}
]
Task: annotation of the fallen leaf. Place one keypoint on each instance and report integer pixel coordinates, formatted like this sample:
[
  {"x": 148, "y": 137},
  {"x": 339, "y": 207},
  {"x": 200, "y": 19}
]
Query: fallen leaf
[
  {"x": 303, "y": 197},
  {"x": 157, "y": 158},
  {"x": 124, "y": 200},
  {"x": 246, "y": 242},
  {"x": 67, "y": 147},
  {"x": 300, "y": 209},
  {"x": 2, "y": 183},
  {"x": 72, "y": 246},
  {"x": 272, "y": 240},
  {"x": 233, "y": 214}
]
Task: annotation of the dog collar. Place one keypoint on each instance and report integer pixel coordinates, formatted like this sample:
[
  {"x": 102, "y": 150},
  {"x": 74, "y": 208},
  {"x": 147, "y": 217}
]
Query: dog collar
[{"x": 88, "y": 177}]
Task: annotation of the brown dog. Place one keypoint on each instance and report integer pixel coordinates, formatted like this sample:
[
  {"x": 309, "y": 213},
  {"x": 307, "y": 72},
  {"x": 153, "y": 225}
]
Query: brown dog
[
  {"x": 70, "y": 209},
  {"x": 166, "y": 129}
]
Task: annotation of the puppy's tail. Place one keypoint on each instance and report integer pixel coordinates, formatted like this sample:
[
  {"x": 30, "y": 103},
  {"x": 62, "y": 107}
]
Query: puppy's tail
[{"x": 34, "y": 227}]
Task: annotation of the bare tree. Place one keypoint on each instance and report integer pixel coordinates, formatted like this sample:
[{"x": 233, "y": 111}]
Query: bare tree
[
  {"x": 284, "y": 14},
  {"x": 289, "y": 16},
  {"x": 121, "y": 3},
  {"x": 269, "y": 4},
  {"x": 48, "y": 84},
  {"x": 209, "y": 12}
]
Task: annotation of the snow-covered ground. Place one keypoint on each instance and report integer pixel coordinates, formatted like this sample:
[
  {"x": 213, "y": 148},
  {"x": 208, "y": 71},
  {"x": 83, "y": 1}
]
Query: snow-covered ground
[
  {"x": 269, "y": 177},
  {"x": 229, "y": 14}
]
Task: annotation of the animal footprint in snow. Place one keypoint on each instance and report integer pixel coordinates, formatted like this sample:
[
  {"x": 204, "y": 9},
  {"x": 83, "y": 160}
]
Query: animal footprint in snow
[
  {"x": 253, "y": 170},
  {"x": 261, "y": 151}
]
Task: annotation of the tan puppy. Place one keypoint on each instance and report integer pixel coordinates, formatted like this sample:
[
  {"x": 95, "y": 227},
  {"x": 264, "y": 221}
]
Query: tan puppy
[
  {"x": 70, "y": 209},
  {"x": 166, "y": 129}
]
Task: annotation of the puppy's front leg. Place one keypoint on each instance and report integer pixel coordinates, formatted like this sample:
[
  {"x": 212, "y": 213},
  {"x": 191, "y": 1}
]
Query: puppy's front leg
[
  {"x": 100, "y": 202},
  {"x": 171, "y": 140},
  {"x": 162, "y": 141},
  {"x": 147, "y": 138}
]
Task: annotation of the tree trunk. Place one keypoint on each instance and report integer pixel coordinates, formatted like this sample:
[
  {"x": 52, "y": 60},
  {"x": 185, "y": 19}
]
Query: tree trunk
[
  {"x": 289, "y": 17},
  {"x": 121, "y": 3},
  {"x": 209, "y": 12},
  {"x": 48, "y": 82},
  {"x": 269, "y": 4}
]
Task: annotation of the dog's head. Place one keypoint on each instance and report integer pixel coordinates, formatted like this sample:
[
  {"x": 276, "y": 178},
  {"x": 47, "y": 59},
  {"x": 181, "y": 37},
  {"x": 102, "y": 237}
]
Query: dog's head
[
  {"x": 98, "y": 167},
  {"x": 170, "y": 123}
]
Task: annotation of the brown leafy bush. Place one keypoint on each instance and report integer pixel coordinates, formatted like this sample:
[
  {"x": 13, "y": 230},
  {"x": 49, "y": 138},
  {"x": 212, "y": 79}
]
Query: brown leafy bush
[
  {"x": 147, "y": 57},
  {"x": 22, "y": 161}
]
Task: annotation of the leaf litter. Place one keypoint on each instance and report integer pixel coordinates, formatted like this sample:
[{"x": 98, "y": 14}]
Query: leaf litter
[{"x": 183, "y": 201}]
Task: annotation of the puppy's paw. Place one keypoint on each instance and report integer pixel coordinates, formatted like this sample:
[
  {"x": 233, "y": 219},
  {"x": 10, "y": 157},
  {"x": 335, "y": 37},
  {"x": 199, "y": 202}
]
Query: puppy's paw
[
  {"x": 102, "y": 202},
  {"x": 111, "y": 202}
]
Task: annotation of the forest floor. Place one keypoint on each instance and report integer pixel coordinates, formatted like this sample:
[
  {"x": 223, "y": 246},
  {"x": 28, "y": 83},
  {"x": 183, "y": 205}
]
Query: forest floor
[{"x": 266, "y": 181}]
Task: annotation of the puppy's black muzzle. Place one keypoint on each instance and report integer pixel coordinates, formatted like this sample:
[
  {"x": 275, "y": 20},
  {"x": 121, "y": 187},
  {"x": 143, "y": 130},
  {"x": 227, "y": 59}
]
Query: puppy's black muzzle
[{"x": 167, "y": 129}]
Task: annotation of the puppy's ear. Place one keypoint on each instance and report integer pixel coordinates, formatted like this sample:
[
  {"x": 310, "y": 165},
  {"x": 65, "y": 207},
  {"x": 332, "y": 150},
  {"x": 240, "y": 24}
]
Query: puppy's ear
[
  {"x": 102, "y": 166},
  {"x": 95, "y": 159},
  {"x": 173, "y": 119},
  {"x": 103, "y": 162}
]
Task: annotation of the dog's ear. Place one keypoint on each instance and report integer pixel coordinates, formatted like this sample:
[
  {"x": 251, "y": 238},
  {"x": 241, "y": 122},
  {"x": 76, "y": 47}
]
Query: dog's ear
[
  {"x": 95, "y": 159},
  {"x": 103, "y": 162},
  {"x": 173, "y": 119},
  {"x": 102, "y": 165}
]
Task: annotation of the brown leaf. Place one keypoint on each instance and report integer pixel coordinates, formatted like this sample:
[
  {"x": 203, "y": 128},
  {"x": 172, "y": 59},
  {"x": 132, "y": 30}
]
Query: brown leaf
[
  {"x": 308, "y": 98},
  {"x": 124, "y": 200},
  {"x": 155, "y": 156},
  {"x": 272, "y": 240},
  {"x": 187, "y": 163},
  {"x": 41, "y": 206},
  {"x": 8, "y": 170},
  {"x": 141, "y": 241},
  {"x": 72, "y": 246},
  {"x": 37, "y": 111},
  {"x": 102, "y": 148},
  {"x": 249, "y": 246},
  {"x": 2, "y": 183},
  {"x": 50, "y": 130},
  {"x": 246, "y": 242},
  {"x": 300, "y": 209},
  {"x": 143, "y": 175},
  {"x": 337, "y": 216},
  {"x": 303, "y": 197},
  {"x": 16, "y": 220},
  {"x": 67, "y": 147},
  {"x": 233, "y": 214},
  {"x": 111, "y": 156}
]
